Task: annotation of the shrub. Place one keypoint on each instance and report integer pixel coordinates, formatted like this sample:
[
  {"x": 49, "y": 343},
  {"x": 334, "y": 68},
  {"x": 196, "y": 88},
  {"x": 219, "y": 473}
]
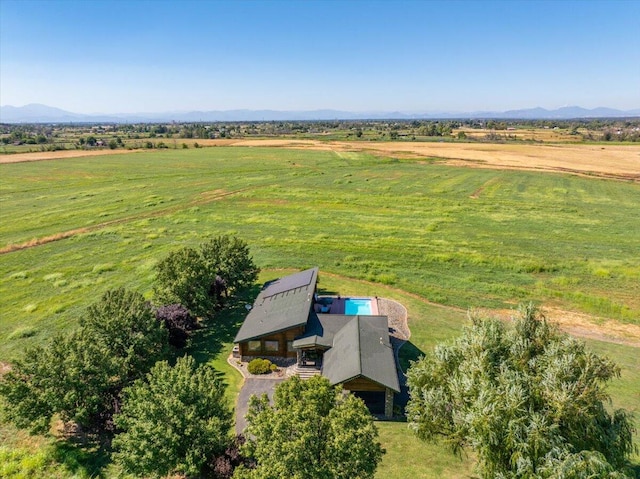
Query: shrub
[{"x": 260, "y": 366}]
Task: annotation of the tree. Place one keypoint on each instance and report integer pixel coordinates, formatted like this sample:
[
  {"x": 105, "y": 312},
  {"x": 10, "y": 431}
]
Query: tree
[
  {"x": 124, "y": 323},
  {"x": 182, "y": 279},
  {"x": 228, "y": 258},
  {"x": 175, "y": 421},
  {"x": 178, "y": 322},
  {"x": 197, "y": 278},
  {"x": 70, "y": 377},
  {"x": 527, "y": 399},
  {"x": 313, "y": 430},
  {"x": 80, "y": 376}
]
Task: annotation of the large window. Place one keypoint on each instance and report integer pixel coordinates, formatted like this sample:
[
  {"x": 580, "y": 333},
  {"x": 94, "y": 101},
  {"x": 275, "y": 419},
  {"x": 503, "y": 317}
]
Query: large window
[
  {"x": 255, "y": 346},
  {"x": 272, "y": 346}
]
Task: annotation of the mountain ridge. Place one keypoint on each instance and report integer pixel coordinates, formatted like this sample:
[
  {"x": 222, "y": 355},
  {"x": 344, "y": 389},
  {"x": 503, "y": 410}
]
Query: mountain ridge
[{"x": 39, "y": 113}]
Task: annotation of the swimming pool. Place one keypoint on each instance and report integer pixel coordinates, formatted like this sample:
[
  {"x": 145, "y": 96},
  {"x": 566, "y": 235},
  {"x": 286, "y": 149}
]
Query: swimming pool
[{"x": 357, "y": 306}]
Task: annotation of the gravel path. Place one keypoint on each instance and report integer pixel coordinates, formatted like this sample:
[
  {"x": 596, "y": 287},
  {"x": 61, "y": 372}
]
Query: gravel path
[{"x": 397, "y": 315}]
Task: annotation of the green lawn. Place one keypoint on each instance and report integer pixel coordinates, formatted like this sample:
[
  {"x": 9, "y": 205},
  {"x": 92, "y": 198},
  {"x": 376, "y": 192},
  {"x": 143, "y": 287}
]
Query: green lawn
[{"x": 406, "y": 229}]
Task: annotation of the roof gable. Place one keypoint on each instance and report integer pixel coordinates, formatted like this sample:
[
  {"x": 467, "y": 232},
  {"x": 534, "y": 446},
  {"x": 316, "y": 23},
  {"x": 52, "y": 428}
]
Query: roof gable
[
  {"x": 282, "y": 304},
  {"x": 321, "y": 329},
  {"x": 362, "y": 348}
]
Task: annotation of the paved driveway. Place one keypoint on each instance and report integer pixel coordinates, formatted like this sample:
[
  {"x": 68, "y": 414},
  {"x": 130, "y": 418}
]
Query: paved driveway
[{"x": 252, "y": 386}]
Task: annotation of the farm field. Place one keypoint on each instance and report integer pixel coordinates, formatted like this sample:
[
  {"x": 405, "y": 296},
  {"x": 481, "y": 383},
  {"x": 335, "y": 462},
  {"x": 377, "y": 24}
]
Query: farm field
[
  {"x": 457, "y": 236},
  {"x": 603, "y": 160},
  {"x": 437, "y": 237}
]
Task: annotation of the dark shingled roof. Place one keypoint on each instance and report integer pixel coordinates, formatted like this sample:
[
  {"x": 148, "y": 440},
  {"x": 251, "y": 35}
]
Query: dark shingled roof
[
  {"x": 362, "y": 348},
  {"x": 358, "y": 346},
  {"x": 320, "y": 330},
  {"x": 282, "y": 304}
]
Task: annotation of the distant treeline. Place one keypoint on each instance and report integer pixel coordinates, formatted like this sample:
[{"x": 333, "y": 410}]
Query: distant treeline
[{"x": 74, "y": 136}]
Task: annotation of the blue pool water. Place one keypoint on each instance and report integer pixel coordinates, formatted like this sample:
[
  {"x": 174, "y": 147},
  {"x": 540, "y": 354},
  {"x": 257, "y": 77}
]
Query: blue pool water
[{"x": 357, "y": 306}]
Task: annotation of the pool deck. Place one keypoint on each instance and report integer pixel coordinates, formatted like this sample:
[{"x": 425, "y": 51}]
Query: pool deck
[{"x": 338, "y": 305}]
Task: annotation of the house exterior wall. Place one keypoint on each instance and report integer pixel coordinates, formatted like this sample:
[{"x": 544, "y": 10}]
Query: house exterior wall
[
  {"x": 267, "y": 342},
  {"x": 362, "y": 384},
  {"x": 365, "y": 385}
]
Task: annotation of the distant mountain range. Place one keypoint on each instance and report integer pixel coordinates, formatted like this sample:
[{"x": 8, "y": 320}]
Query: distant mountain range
[{"x": 37, "y": 113}]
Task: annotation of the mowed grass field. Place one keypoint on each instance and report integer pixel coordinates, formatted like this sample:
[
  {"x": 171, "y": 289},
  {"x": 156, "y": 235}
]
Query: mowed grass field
[
  {"x": 415, "y": 230},
  {"x": 456, "y": 236}
]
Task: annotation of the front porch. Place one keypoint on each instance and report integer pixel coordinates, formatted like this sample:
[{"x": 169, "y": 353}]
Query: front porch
[{"x": 310, "y": 358}]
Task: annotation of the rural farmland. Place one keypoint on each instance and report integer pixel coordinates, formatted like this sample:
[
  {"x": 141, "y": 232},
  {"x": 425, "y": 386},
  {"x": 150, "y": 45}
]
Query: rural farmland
[
  {"x": 261, "y": 239},
  {"x": 483, "y": 226}
]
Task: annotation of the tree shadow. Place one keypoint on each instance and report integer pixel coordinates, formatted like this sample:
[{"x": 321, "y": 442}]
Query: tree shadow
[
  {"x": 84, "y": 455},
  {"x": 209, "y": 340},
  {"x": 326, "y": 292},
  {"x": 408, "y": 352}
]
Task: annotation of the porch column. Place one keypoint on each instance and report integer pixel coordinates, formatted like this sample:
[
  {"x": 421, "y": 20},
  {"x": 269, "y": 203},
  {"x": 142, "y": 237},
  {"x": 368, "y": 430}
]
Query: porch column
[{"x": 388, "y": 403}]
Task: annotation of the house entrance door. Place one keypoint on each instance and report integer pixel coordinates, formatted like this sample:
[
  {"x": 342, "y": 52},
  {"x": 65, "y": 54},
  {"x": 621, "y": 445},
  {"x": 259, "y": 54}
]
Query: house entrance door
[{"x": 310, "y": 358}]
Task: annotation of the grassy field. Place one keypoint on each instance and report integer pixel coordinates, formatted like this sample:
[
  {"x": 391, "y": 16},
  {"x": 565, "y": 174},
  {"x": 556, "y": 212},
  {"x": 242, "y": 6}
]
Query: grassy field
[
  {"x": 460, "y": 237},
  {"x": 411, "y": 229}
]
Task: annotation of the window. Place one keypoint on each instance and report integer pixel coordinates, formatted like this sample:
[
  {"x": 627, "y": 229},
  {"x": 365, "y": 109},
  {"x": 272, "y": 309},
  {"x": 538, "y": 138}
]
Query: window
[
  {"x": 272, "y": 346},
  {"x": 290, "y": 347},
  {"x": 255, "y": 346}
]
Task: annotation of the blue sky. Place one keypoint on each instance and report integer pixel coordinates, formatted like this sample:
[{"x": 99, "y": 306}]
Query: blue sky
[{"x": 413, "y": 56}]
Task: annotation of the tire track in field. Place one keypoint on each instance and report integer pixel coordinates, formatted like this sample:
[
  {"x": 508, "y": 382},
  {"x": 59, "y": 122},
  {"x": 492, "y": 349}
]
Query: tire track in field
[{"x": 202, "y": 199}]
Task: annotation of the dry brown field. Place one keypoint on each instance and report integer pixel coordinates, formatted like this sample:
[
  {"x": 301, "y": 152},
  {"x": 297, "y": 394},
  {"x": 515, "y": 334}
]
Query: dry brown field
[
  {"x": 611, "y": 161},
  {"x": 58, "y": 155}
]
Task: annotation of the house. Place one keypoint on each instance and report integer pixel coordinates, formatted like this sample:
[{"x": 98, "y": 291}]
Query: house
[{"x": 343, "y": 339}]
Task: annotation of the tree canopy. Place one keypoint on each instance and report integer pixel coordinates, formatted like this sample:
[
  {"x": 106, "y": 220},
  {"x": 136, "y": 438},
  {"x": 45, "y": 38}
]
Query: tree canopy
[
  {"x": 70, "y": 376},
  {"x": 312, "y": 431},
  {"x": 178, "y": 322},
  {"x": 528, "y": 399},
  {"x": 175, "y": 421},
  {"x": 80, "y": 376},
  {"x": 125, "y": 324},
  {"x": 198, "y": 278}
]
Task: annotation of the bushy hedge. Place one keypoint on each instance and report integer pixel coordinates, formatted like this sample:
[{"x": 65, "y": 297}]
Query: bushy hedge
[{"x": 261, "y": 366}]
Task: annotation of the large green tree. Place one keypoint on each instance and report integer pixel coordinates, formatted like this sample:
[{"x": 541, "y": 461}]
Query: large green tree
[
  {"x": 312, "y": 431},
  {"x": 175, "y": 421},
  {"x": 528, "y": 399},
  {"x": 71, "y": 376},
  {"x": 198, "y": 278},
  {"x": 125, "y": 324},
  {"x": 80, "y": 376}
]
